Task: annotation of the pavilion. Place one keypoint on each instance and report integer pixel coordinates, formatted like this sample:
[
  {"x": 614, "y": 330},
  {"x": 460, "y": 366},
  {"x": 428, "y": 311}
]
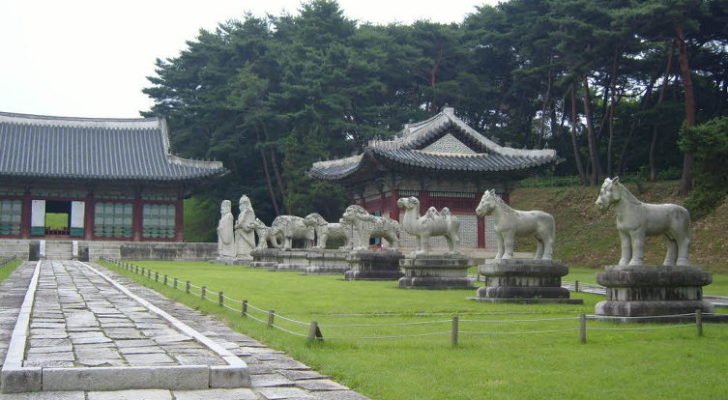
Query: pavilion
[
  {"x": 103, "y": 179},
  {"x": 442, "y": 161}
]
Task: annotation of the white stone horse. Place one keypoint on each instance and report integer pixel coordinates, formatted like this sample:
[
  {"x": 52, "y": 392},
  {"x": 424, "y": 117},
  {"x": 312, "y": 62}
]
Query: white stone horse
[
  {"x": 636, "y": 219},
  {"x": 510, "y": 223},
  {"x": 433, "y": 223}
]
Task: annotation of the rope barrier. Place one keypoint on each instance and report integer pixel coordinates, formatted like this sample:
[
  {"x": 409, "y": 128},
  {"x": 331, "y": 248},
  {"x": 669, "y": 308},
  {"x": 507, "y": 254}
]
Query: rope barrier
[
  {"x": 643, "y": 329},
  {"x": 379, "y": 325},
  {"x": 390, "y": 337},
  {"x": 520, "y": 332},
  {"x": 520, "y": 320}
]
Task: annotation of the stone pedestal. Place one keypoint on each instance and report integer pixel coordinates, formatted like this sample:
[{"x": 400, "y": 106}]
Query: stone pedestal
[
  {"x": 523, "y": 281},
  {"x": 293, "y": 260},
  {"x": 646, "y": 290},
  {"x": 435, "y": 271},
  {"x": 374, "y": 265},
  {"x": 327, "y": 261},
  {"x": 266, "y": 258}
]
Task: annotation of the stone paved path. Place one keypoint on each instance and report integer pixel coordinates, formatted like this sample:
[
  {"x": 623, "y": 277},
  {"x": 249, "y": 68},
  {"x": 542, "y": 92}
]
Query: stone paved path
[{"x": 81, "y": 320}]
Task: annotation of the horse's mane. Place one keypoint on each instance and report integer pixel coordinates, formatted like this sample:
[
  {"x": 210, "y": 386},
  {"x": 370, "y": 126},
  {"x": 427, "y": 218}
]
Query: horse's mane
[
  {"x": 627, "y": 195},
  {"x": 505, "y": 207}
]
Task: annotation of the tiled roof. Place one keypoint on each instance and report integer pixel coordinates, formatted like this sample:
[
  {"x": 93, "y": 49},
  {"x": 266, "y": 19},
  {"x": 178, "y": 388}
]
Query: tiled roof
[
  {"x": 409, "y": 150},
  {"x": 85, "y": 148}
]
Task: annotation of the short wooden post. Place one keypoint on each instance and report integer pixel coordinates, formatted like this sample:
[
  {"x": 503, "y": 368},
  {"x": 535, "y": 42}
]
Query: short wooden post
[
  {"x": 175, "y": 283},
  {"x": 136, "y": 269},
  {"x": 202, "y": 292},
  {"x": 699, "y": 321},
  {"x": 314, "y": 332},
  {"x": 149, "y": 273},
  {"x": 244, "y": 309},
  {"x": 165, "y": 279},
  {"x": 576, "y": 286},
  {"x": 271, "y": 317},
  {"x": 454, "y": 331},
  {"x": 143, "y": 271},
  {"x": 582, "y": 328},
  {"x": 220, "y": 298},
  {"x": 156, "y": 277},
  {"x": 187, "y": 287}
]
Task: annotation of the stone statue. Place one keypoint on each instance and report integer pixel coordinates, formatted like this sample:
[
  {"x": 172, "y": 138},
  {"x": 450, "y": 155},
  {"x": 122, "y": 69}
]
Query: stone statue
[
  {"x": 367, "y": 226},
  {"x": 225, "y": 239},
  {"x": 433, "y": 223},
  {"x": 265, "y": 235},
  {"x": 636, "y": 219},
  {"x": 510, "y": 223},
  {"x": 325, "y": 230},
  {"x": 289, "y": 227},
  {"x": 244, "y": 234}
]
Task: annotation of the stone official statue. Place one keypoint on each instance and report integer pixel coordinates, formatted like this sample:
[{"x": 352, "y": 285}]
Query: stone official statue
[
  {"x": 225, "y": 238},
  {"x": 244, "y": 232}
]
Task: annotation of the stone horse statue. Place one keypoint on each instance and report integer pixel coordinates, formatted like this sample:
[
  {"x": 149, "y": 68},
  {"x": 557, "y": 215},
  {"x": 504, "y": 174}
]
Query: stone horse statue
[
  {"x": 636, "y": 219},
  {"x": 367, "y": 225},
  {"x": 265, "y": 235},
  {"x": 289, "y": 227},
  {"x": 433, "y": 223},
  {"x": 510, "y": 223},
  {"x": 329, "y": 230}
]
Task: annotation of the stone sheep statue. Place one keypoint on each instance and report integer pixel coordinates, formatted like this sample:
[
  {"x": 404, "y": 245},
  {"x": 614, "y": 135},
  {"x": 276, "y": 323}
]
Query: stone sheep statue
[
  {"x": 329, "y": 230},
  {"x": 433, "y": 223},
  {"x": 510, "y": 223},
  {"x": 289, "y": 227},
  {"x": 367, "y": 226},
  {"x": 636, "y": 219},
  {"x": 265, "y": 235}
]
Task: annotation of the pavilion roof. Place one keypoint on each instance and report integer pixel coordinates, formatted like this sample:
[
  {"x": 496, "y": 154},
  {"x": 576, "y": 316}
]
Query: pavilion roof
[
  {"x": 34, "y": 146},
  {"x": 441, "y": 143}
]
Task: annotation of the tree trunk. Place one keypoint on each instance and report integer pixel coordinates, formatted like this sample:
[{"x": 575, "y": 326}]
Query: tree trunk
[
  {"x": 686, "y": 181},
  {"x": 277, "y": 173},
  {"x": 655, "y": 130},
  {"x": 610, "y": 111},
  {"x": 577, "y": 157},
  {"x": 596, "y": 170},
  {"x": 268, "y": 180}
]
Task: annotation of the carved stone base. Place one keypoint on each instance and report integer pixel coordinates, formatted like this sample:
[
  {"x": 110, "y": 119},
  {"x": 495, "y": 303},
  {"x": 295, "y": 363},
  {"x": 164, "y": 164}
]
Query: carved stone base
[
  {"x": 435, "y": 271},
  {"x": 293, "y": 260},
  {"x": 265, "y": 258},
  {"x": 647, "y": 290},
  {"x": 327, "y": 261},
  {"x": 374, "y": 265},
  {"x": 523, "y": 281}
]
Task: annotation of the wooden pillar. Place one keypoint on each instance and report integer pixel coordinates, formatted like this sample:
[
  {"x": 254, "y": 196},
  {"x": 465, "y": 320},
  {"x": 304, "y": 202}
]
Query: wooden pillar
[
  {"x": 393, "y": 208},
  {"x": 481, "y": 232},
  {"x": 25, "y": 216},
  {"x": 179, "y": 220},
  {"x": 137, "y": 218},
  {"x": 89, "y": 217}
]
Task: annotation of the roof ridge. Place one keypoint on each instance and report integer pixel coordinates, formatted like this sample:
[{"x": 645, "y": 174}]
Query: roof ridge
[{"x": 48, "y": 120}]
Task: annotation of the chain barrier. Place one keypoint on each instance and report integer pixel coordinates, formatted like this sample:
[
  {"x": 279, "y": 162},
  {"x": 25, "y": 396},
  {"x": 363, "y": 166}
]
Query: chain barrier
[{"x": 272, "y": 316}]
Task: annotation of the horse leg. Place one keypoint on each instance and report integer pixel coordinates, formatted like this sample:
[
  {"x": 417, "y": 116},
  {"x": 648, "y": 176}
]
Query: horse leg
[
  {"x": 671, "y": 254},
  {"x": 548, "y": 248},
  {"x": 509, "y": 239},
  {"x": 683, "y": 247},
  {"x": 539, "y": 248},
  {"x": 638, "y": 247},
  {"x": 499, "y": 240},
  {"x": 626, "y": 248}
]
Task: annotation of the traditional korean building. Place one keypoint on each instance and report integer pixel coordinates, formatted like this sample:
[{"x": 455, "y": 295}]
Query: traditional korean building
[
  {"x": 442, "y": 161},
  {"x": 99, "y": 179}
]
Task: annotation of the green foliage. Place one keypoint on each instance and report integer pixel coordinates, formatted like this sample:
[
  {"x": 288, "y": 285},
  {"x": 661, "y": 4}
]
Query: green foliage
[
  {"x": 8, "y": 268},
  {"x": 709, "y": 143},
  {"x": 56, "y": 220},
  {"x": 501, "y": 364},
  {"x": 270, "y": 96},
  {"x": 200, "y": 219}
]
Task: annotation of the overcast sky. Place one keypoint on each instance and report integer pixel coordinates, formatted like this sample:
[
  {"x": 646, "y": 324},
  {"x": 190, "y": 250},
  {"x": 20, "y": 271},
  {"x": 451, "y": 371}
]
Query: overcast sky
[{"x": 90, "y": 58}]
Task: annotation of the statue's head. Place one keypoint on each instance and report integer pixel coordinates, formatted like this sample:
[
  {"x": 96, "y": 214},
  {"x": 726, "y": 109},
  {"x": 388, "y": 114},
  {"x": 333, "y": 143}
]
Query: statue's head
[
  {"x": 408, "y": 202},
  {"x": 245, "y": 203},
  {"x": 487, "y": 203},
  {"x": 225, "y": 207},
  {"x": 608, "y": 194},
  {"x": 314, "y": 219},
  {"x": 352, "y": 212}
]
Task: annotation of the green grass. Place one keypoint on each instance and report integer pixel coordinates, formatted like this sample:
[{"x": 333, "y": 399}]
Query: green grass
[
  {"x": 624, "y": 364},
  {"x": 56, "y": 220},
  {"x": 8, "y": 268}
]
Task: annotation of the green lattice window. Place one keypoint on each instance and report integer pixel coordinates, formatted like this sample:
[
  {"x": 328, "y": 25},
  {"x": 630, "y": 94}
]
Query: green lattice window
[
  {"x": 113, "y": 220},
  {"x": 10, "y": 214},
  {"x": 158, "y": 222}
]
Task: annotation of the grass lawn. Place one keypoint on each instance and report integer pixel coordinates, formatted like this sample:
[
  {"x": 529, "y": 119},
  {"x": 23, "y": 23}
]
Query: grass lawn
[
  {"x": 509, "y": 362},
  {"x": 8, "y": 268}
]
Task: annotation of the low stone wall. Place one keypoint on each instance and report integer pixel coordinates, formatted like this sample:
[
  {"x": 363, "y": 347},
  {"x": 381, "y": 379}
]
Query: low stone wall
[{"x": 169, "y": 251}]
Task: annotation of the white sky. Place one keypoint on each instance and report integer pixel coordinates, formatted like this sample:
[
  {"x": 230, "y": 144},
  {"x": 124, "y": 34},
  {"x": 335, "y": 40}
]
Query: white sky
[{"x": 90, "y": 58}]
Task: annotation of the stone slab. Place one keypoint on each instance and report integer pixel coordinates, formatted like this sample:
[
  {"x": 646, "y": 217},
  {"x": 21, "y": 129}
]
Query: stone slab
[
  {"x": 113, "y": 378},
  {"x": 216, "y": 394},
  {"x": 149, "y": 394}
]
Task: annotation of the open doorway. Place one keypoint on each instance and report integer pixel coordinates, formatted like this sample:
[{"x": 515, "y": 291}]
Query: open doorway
[{"x": 58, "y": 218}]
